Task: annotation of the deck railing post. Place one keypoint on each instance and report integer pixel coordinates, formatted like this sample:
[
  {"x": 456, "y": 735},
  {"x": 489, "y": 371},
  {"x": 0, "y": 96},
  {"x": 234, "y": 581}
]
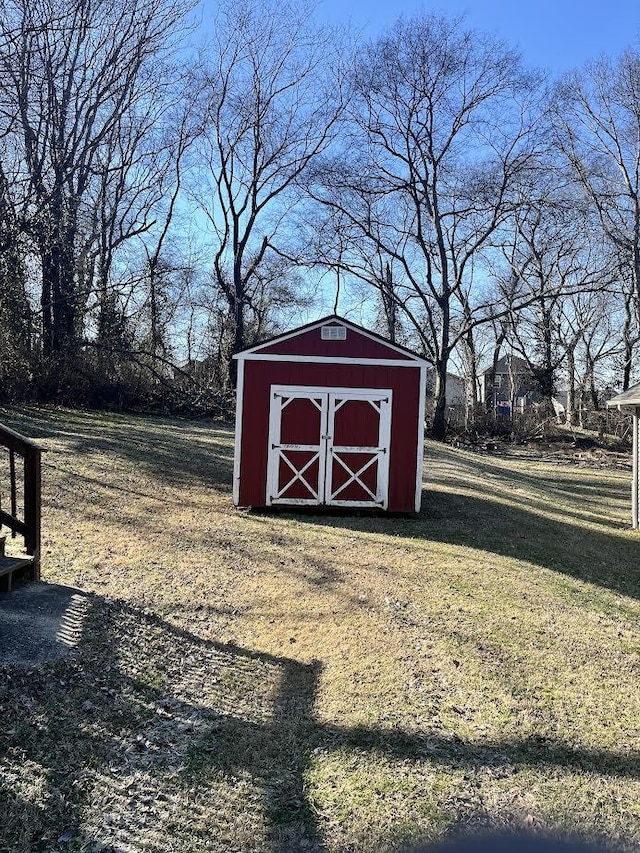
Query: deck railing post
[
  {"x": 32, "y": 504},
  {"x": 29, "y": 526},
  {"x": 12, "y": 487}
]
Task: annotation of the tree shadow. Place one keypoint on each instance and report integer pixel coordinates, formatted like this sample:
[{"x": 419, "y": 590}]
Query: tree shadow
[
  {"x": 608, "y": 559},
  {"x": 150, "y": 737},
  {"x": 120, "y": 736},
  {"x": 581, "y": 497},
  {"x": 174, "y": 452}
]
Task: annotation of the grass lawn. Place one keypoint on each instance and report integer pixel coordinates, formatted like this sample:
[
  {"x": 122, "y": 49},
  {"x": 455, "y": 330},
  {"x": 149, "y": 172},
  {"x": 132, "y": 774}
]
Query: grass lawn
[{"x": 280, "y": 682}]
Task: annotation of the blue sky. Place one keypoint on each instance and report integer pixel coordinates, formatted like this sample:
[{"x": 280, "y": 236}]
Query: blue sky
[{"x": 552, "y": 34}]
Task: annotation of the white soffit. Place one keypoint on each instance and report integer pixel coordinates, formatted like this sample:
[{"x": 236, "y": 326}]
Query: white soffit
[{"x": 628, "y": 399}]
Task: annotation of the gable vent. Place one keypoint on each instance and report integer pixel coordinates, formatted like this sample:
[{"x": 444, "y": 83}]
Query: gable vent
[{"x": 333, "y": 333}]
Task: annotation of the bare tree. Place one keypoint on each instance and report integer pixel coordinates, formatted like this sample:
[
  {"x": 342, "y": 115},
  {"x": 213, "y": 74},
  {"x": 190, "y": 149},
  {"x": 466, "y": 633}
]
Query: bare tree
[
  {"x": 440, "y": 130},
  {"x": 593, "y": 341},
  {"x": 549, "y": 261},
  {"x": 16, "y": 317},
  {"x": 271, "y": 98},
  {"x": 81, "y": 80},
  {"x": 598, "y": 122}
]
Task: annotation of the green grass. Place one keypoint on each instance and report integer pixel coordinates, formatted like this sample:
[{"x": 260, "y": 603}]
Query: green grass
[{"x": 280, "y": 682}]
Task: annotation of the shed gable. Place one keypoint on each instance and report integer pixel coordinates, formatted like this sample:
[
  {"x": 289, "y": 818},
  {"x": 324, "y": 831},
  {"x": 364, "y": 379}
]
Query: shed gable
[{"x": 335, "y": 339}]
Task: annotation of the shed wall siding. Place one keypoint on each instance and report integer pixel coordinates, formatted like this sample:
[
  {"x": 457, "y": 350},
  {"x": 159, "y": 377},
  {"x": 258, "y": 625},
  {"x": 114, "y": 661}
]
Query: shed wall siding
[{"x": 405, "y": 421}]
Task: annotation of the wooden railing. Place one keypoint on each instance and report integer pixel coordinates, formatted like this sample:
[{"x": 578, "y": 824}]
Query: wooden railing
[{"x": 27, "y": 526}]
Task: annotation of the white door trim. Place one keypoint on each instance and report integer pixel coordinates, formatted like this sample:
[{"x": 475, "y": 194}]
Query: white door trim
[
  {"x": 237, "y": 455},
  {"x": 279, "y": 399},
  {"x": 328, "y": 400},
  {"x": 379, "y": 454}
]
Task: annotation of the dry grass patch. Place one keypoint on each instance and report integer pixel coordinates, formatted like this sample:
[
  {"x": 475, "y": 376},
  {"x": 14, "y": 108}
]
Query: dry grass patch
[{"x": 284, "y": 682}]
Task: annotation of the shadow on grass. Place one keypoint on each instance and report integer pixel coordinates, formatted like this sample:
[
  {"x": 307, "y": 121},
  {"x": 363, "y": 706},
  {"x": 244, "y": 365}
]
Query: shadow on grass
[
  {"x": 609, "y": 560},
  {"x": 173, "y": 451},
  {"x": 149, "y": 737},
  {"x": 582, "y": 496}
]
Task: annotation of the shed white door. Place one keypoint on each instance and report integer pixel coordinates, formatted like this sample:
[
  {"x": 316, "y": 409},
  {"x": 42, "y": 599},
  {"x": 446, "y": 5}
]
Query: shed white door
[{"x": 329, "y": 446}]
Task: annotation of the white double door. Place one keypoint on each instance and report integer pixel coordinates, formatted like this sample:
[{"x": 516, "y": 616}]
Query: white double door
[{"x": 329, "y": 446}]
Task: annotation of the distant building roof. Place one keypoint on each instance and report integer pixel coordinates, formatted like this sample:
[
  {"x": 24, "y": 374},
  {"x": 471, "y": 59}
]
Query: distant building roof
[
  {"x": 431, "y": 371},
  {"x": 508, "y": 363},
  {"x": 628, "y": 399}
]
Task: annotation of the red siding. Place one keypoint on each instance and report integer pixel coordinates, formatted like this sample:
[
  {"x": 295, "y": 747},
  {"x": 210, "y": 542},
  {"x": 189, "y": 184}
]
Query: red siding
[
  {"x": 403, "y": 381},
  {"x": 311, "y": 343}
]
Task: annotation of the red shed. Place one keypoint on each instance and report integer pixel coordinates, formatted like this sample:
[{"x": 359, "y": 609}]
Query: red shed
[{"x": 329, "y": 414}]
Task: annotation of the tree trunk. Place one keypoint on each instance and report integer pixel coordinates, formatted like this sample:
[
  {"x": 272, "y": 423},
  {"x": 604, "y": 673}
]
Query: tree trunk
[
  {"x": 489, "y": 379},
  {"x": 571, "y": 389},
  {"x": 545, "y": 377},
  {"x": 471, "y": 402},
  {"x": 58, "y": 298},
  {"x": 47, "y": 307},
  {"x": 628, "y": 345},
  {"x": 105, "y": 317},
  {"x": 439, "y": 426},
  {"x": 154, "y": 319},
  {"x": 239, "y": 338},
  {"x": 581, "y": 408},
  {"x": 545, "y": 382},
  {"x": 593, "y": 393},
  {"x": 636, "y": 261},
  {"x": 389, "y": 304}
]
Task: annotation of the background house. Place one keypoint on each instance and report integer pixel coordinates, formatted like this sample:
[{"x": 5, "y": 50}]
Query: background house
[
  {"x": 511, "y": 385},
  {"x": 456, "y": 394}
]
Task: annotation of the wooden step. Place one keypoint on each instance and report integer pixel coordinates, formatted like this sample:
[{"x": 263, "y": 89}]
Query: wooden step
[{"x": 9, "y": 565}]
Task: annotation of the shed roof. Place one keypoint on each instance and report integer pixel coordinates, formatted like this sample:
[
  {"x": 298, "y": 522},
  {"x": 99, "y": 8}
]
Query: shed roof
[
  {"x": 628, "y": 399},
  {"x": 284, "y": 344}
]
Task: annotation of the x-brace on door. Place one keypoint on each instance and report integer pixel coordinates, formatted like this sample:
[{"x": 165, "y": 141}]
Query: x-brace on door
[{"x": 329, "y": 446}]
